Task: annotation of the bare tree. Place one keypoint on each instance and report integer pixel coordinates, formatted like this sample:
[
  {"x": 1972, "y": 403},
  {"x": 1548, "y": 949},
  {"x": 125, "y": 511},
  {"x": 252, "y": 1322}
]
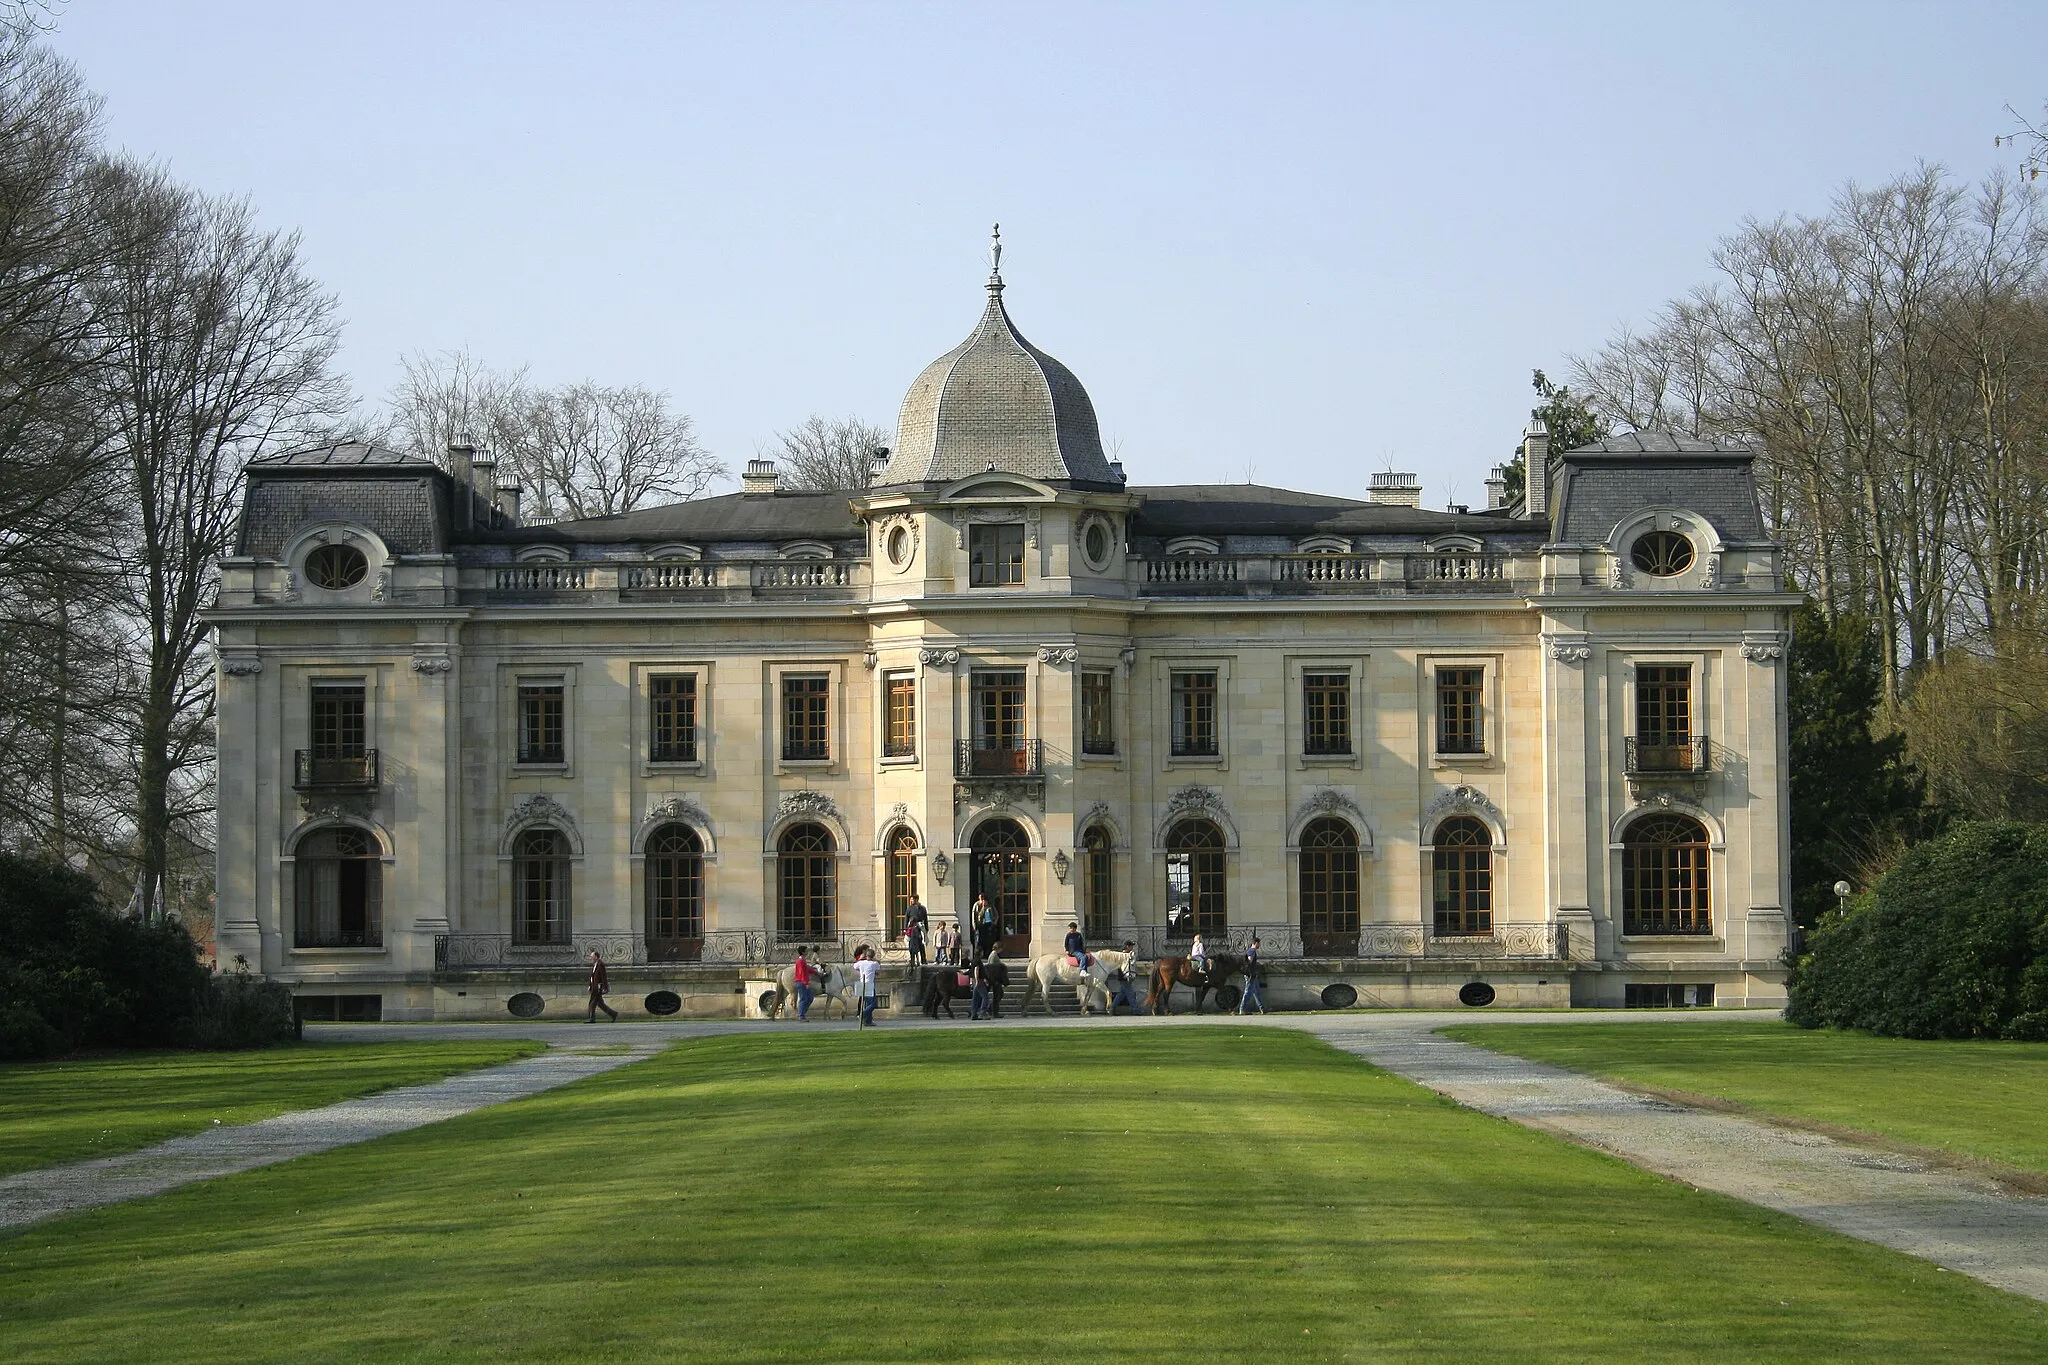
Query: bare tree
[
  {"x": 221, "y": 347},
  {"x": 591, "y": 450},
  {"x": 439, "y": 398},
  {"x": 826, "y": 453}
]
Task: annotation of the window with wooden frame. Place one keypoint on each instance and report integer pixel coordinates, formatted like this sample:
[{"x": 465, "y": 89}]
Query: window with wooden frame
[
  {"x": 540, "y": 887},
  {"x": 1197, "y": 883},
  {"x": 902, "y": 872},
  {"x": 542, "y": 738},
  {"x": 1461, "y": 710},
  {"x": 338, "y": 728},
  {"x": 675, "y": 892},
  {"x": 672, "y": 718},
  {"x": 1098, "y": 713},
  {"x": 807, "y": 883},
  {"x": 1326, "y": 713},
  {"x": 1194, "y": 714},
  {"x": 1461, "y": 877},
  {"x": 995, "y": 555},
  {"x": 1329, "y": 888},
  {"x": 340, "y": 885},
  {"x": 806, "y": 717},
  {"x": 899, "y": 715},
  {"x": 1098, "y": 883},
  {"x": 1664, "y": 877},
  {"x": 1664, "y": 718}
]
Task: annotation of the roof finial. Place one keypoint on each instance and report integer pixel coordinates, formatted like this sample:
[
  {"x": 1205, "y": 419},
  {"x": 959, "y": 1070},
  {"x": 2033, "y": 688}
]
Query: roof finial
[{"x": 995, "y": 256}]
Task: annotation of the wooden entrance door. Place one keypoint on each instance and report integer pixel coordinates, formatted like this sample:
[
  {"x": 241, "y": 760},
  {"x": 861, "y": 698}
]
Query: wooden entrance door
[{"x": 1002, "y": 873}]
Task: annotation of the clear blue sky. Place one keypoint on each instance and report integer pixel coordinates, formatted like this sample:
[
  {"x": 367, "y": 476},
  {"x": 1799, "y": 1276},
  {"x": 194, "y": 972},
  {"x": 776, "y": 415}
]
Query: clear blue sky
[{"x": 1289, "y": 241}]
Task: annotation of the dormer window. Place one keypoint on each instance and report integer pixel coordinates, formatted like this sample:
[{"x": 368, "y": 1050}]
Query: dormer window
[
  {"x": 336, "y": 567},
  {"x": 995, "y": 555},
  {"x": 1661, "y": 554}
]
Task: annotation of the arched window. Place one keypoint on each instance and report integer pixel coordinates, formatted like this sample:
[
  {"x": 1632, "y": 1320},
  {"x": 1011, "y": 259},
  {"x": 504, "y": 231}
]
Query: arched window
[
  {"x": 1195, "y": 895},
  {"x": 807, "y": 878},
  {"x": 1461, "y": 867},
  {"x": 1664, "y": 877},
  {"x": 1098, "y": 883},
  {"x": 1002, "y": 872},
  {"x": 675, "y": 894},
  {"x": 902, "y": 876},
  {"x": 1329, "y": 888},
  {"x": 340, "y": 891},
  {"x": 540, "y": 887}
]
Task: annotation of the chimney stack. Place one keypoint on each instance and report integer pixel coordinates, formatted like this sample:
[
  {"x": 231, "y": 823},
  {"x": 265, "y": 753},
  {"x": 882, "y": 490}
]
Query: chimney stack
[
  {"x": 1497, "y": 487},
  {"x": 759, "y": 477},
  {"x": 1536, "y": 470},
  {"x": 508, "y": 502},
  {"x": 1395, "y": 490},
  {"x": 462, "y": 465},
  {"x": 1116, "y": 468},
  {"x": 485, "y": 465}
]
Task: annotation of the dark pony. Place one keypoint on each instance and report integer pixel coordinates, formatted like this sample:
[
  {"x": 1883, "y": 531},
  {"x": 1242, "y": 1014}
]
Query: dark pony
[
  {"x": 942, "y": 987},
  {"x": 1169, "y": 972}
]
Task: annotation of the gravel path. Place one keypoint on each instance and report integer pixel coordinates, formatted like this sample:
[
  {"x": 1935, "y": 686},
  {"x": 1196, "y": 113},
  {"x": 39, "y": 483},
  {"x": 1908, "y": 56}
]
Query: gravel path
[
  {"x": 1963, "y": 1222},
  {"x": 32, "y": 1196}
]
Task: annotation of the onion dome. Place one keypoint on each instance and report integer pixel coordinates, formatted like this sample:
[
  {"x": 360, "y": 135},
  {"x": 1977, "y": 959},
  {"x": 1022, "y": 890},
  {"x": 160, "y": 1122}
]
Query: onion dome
[{"x": 995, "y": 401}]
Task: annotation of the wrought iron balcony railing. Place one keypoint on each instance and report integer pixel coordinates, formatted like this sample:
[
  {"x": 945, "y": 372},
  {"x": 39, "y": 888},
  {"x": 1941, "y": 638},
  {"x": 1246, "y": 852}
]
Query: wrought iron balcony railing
[
  {"x": 320, "y": 773},
  {"x": 975, "y": 758},
  {"x": 1669, "y": 757}
]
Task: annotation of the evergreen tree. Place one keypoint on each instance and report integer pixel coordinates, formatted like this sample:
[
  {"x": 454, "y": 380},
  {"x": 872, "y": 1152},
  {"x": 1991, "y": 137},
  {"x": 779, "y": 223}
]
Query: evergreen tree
[
  {"x": 1854, "y": 794},
  {"x": 1569, "y": 420}
]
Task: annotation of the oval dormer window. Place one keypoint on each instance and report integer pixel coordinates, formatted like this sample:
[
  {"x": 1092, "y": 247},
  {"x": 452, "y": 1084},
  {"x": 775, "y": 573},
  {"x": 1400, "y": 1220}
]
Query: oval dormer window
[
  {"x": 1095, "y": 544},
  {"x": 1662, "y": 554},
  {"x": 899, "y": 546},
  {"x": 335, "y": 567}
]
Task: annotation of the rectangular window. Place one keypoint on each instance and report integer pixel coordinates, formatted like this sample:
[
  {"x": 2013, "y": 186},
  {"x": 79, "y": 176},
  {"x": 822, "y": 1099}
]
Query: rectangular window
[
  {"x": 806, "y": 704},
  {"x": 1664, "y": 718},
  {"x": 540, "y": 723},
  {"x": 1460, "y": 711},
  {"x": 998, "y": 746},
  {"x": 1326, "y": 713},
  {"x": 995, "y": 555},
  {"x": 899, "y": 729},
  {"x": 1194, "y": 714},
  {"x": 338, "y": 720},
  {"x": 672, "y": 720},
  {"x": 1098, "y": 715}
]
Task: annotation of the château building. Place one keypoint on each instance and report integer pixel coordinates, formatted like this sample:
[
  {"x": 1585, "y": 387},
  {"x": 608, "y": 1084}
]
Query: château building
[{"x": 1533, "y": 753}]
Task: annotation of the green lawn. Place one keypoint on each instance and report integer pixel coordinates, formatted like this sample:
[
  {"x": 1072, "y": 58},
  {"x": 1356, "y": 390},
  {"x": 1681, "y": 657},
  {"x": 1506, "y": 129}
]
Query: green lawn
[
  {"x": 53, "y": 1112},
  {"x": 992, "y": 1195},
  {"x": 1984, "y": 1100}
]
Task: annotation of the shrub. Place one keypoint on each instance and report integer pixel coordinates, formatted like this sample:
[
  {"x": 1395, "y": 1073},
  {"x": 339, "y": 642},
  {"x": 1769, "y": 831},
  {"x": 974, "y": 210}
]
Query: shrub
[
  {"x": 74, "y": 975},
  {"x": 1952, "y": 943},
  {"x": 243, "y": 1011}
]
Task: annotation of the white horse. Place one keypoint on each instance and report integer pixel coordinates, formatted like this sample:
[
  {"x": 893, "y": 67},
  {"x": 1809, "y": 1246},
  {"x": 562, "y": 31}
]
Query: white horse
[
  {"x": 828, "y": 979},
  {"x": 1087, "y": 984}
]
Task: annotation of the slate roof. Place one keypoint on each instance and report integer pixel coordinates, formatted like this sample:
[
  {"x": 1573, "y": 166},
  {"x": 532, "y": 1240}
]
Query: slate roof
[
  {"x": 783, "y": 515},
  {"x": 1597, "y": 486},
  {"x": 340, "y": 455},
  {"x": 997, "y": 401},
  {"x": 1253, "y": 509}
]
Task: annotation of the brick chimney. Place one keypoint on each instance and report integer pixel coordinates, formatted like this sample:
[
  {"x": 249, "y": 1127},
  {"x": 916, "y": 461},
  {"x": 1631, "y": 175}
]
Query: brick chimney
[
  {"x": 1497, "y": 487},
  {"x": 1395, "y": 490},
  {"x": 759, "y": 478},
  {"x": 462, "y": 466}
]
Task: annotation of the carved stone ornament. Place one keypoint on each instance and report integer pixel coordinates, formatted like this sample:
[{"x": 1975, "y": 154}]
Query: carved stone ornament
[
  {"x": 539, "y": 809},
  {"x": 942, "y": 867},
  {"x": 869, "y": 659},
  {"x": 291, "y": 587},
  {"x": 806, "y": 804},
  {"x": 1713, "y": 575},
  {"x": 1098, "y": 811},
  {"x": 679, "y": 808},
  {"x": 1618, "y": 576},
  {"x": 1059, "y": 654},
  {"x": 1763, "y": 650},
  {"x": 1570, "y": 652},
  {"x": 1194, "y": 800},
  {"x": 432, "y": 663},
  {"x": 1127, "y": 659},
  {"x": 241, "y": 665},
  {"x": 382, "y": 592},
  {"x": 938, "y": 658},
  {"x": 900, "y": 812},
  {"x": 1328, "y": 801},
  {"x": 335, "y": 807},
  {"x": 1060, "y": 866},
  {"x": 1460, "y": 800},
  {"x": 989, "y": 796}
]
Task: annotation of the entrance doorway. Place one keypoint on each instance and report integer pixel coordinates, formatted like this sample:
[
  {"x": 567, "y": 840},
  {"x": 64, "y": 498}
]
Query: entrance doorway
[{"x": 1002, "y": 872}]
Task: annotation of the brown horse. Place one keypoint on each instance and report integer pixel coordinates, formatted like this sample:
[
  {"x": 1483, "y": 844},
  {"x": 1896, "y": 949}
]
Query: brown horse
[
  {"x": 1169, "y": 972},
  {"x": 943, "y": 985}
]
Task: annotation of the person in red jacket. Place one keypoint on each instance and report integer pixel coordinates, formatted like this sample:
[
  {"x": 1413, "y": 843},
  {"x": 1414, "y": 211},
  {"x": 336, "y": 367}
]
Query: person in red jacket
[
  {"x": 800, "y": 977},
  {"x": 600, "y": 983}
]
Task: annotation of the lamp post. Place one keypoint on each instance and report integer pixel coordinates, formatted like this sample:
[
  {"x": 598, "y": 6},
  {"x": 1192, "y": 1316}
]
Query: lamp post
[{"x": 1842, "y": 893}]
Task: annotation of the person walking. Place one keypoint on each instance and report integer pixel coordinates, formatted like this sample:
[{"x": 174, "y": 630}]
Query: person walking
[
  {"x": 978, "y": 1005},
  {"x": 1126, "y": 985},
  {"x": 987, "y": 929},
  {"x": 949, "y": 944},
  {"x": 600, "y": 984},
  {"x": 800, "y": 977},
  {"x": 1252, "y": 995},
  {"x": 865, "y": 966}
]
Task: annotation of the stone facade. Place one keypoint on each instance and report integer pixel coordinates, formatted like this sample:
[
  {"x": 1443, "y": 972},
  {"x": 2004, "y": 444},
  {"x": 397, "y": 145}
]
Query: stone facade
[{"x": 391, "y": 642}]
